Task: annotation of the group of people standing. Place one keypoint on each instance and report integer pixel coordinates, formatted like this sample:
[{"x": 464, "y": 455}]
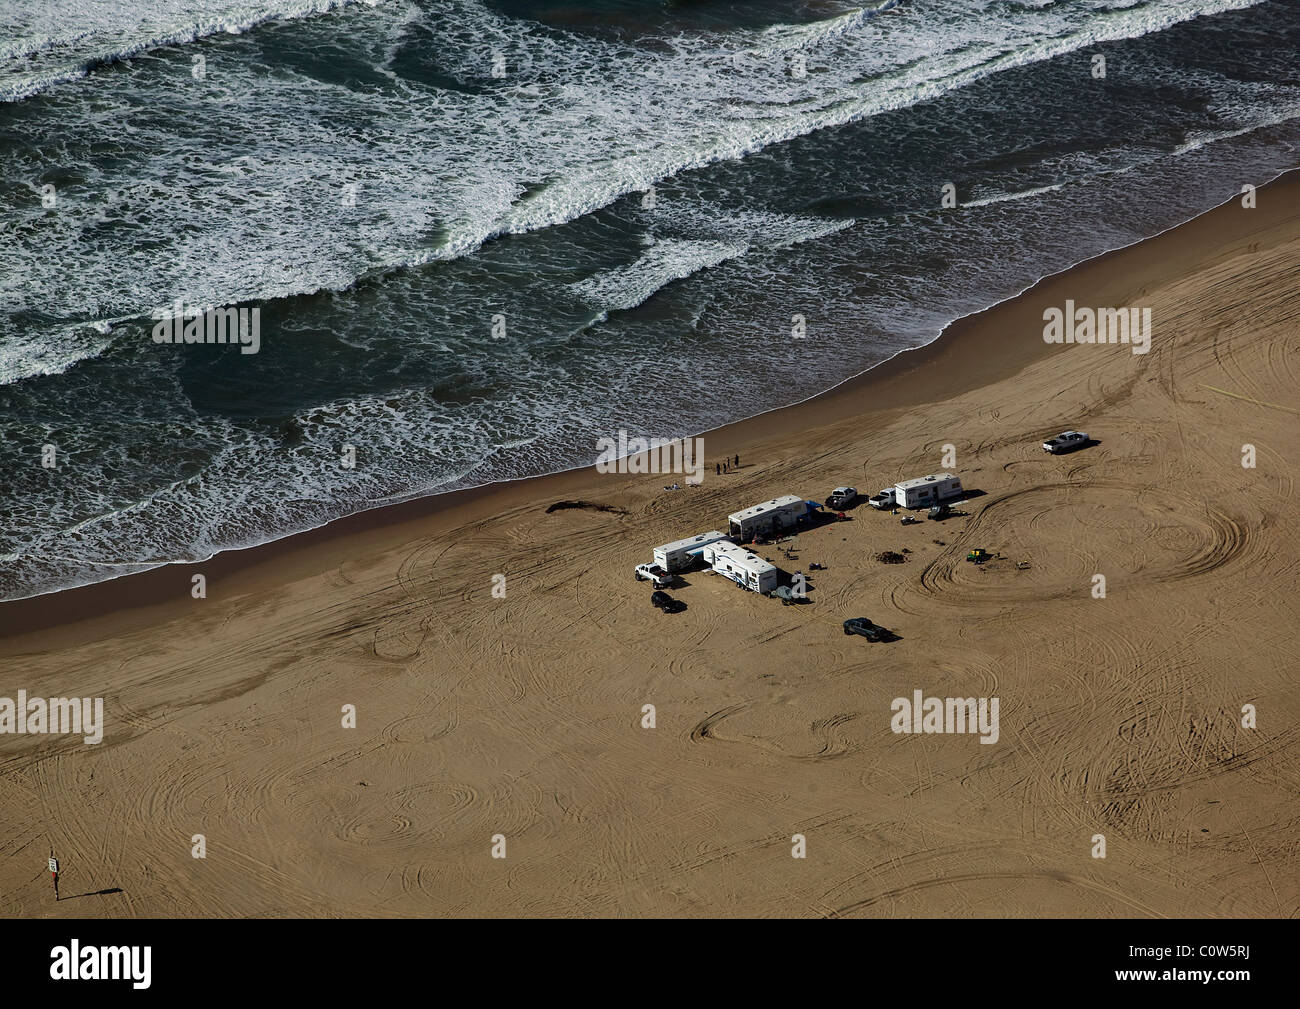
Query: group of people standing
[{"x": 727, "y": 465}]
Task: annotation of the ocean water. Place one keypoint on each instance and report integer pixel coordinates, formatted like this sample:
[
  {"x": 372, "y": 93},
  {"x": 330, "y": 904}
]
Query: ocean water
[{"x": 481, "y": 235}]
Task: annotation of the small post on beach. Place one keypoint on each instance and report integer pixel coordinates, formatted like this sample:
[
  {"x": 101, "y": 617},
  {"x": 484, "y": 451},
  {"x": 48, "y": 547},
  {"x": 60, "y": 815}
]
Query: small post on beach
[{"x": 54, "y": 873}]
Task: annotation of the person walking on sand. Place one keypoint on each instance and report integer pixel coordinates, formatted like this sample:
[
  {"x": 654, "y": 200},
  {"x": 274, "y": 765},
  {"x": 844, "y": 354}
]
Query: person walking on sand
[
  {"x": 717, "y": 469},
  {"x": 737, "y": 462}
]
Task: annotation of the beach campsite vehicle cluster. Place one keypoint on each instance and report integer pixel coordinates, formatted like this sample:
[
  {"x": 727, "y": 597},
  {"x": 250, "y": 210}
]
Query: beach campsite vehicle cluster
[{"x": 776, "y": 522}]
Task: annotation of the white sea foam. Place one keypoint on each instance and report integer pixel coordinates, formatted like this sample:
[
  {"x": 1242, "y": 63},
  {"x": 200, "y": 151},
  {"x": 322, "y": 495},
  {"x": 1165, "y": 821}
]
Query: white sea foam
[
  {"x": 668, "y": 260},
  {"x": 578, "y": 123},
  {"x": 73, "y": 37},
  {"x": 26, "y": 355},
  {"x": 1025, "y": 194},
  {"x": 665, "y": 261},
  {"x": 1199, "y": 140}
]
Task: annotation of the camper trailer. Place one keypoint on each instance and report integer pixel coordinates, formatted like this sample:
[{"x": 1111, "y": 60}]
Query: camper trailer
[
  {"x": 679, "y": 556},
  {"x": 925, "y": 491},
  {"x": 770, "y": 516},
  {"x": 742, "y": 566}
]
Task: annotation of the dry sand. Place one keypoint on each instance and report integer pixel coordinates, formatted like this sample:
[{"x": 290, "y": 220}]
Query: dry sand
[{"x": 479, "y": 716}]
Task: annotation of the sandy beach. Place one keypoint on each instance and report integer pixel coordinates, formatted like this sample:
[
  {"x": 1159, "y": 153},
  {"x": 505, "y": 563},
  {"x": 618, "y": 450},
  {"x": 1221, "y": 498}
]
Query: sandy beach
[{"x": 480, "y": 718}]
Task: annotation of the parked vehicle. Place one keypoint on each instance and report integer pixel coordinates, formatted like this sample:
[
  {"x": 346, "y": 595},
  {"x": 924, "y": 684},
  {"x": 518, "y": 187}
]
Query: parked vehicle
[
  {"x": 925, "y": 491},
  {"x": 977, "y": 556},
  {"x": 773, "y": 516},
  {"x": 654, "y": 574},
  {"x": 842, "y": 497},
  {"x": 742, "y": 566},
  {"x": 783, "y": 593},
  {"x": 941, "y": 511},
  {"x": 1066, "y": 441},
  {"x": 682, "y": 554},
  {"x": 667, "y": 603},
  {"x": 864, "y": 627},
  {"x": 887, "y": 498}
]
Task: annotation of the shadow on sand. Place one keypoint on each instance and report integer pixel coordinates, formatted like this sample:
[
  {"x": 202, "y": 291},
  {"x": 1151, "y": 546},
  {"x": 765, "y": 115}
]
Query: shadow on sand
[{"x": 94, "y": 893}]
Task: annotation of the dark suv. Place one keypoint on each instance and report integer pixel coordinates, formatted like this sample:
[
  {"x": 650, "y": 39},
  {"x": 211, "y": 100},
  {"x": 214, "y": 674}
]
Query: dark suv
[
  {"x": 863, "y": 626},
  {"x": 666, "y": 602}
]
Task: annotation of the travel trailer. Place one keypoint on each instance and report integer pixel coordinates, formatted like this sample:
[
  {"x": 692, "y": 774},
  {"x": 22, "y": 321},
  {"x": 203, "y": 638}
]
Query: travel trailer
[
  {"x": 925, "y": 491},
  {"x": 679, "y": 556},
  {"x": 710, "y": 554},
  {"x": 742, "y": 566},
  {"x": 770, "y": 516}
]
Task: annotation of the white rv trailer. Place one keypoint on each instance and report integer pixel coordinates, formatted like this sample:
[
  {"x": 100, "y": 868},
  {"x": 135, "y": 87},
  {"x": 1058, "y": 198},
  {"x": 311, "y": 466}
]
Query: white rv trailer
[
  {"x": 678, "y": 556},
  {"x": 742, "y": 566},
  {"x": 710, "y": 552},
  {"x": 926, "y": 491},
  {"x": 770, "y": 516}
]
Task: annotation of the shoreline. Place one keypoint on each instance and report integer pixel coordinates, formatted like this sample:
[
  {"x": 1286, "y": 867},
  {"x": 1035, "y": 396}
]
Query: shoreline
[{"x": 966, "y": 355}]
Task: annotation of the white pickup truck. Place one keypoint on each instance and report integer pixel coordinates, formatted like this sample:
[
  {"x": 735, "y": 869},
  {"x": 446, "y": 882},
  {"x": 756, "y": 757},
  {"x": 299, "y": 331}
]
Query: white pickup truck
[
  {"x": 654, "y": 574},
  {"x": 887, "y": 498},
  {"x": 842, "y": 497},
  {"x": 1065, "y": 441}
]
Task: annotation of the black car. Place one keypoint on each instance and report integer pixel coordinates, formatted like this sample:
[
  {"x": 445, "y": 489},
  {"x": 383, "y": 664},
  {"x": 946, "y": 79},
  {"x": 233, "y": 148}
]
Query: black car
[
  {"x": 940, "y": 511},
  {"x": 863, "y": 626},
  {"x": 666, "y": 602}
]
